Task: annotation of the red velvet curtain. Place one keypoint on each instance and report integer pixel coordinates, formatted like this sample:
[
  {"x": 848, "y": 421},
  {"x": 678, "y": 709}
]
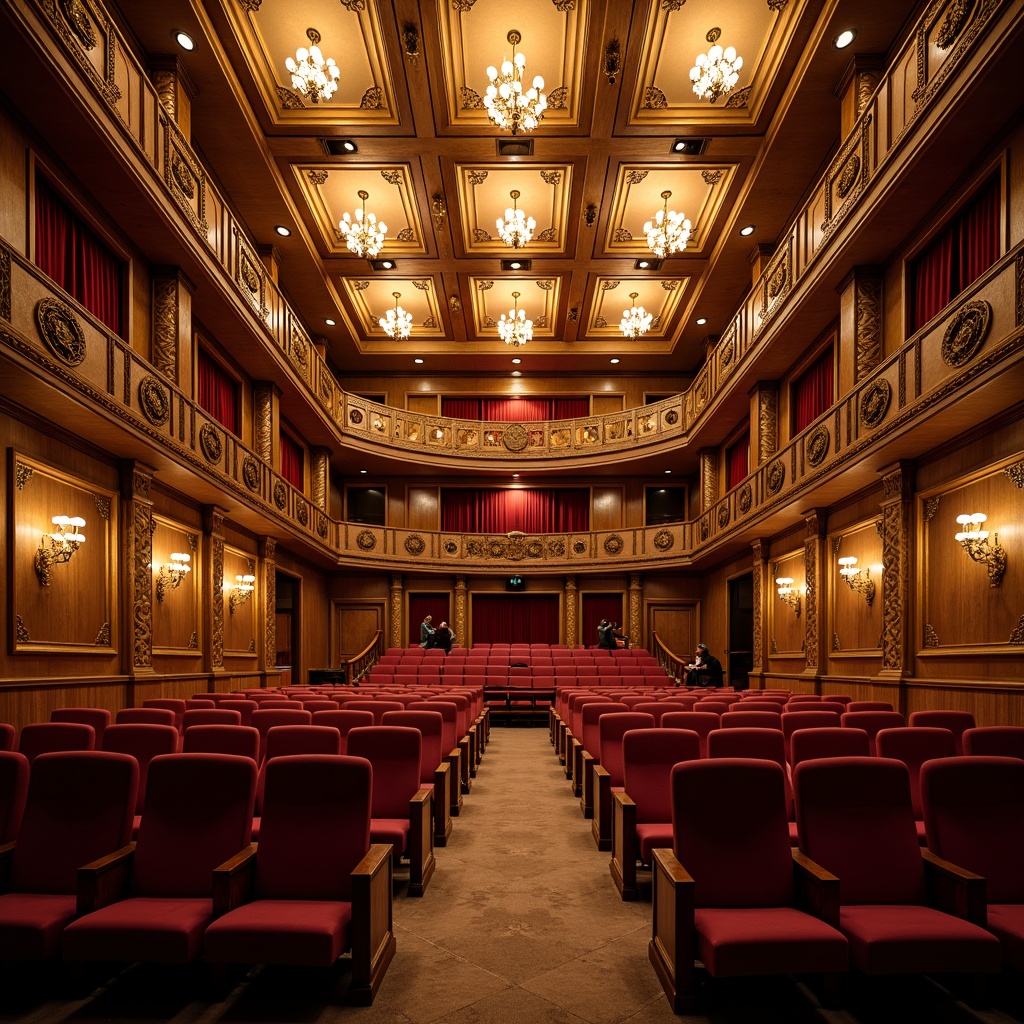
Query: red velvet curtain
[
  {"x": 812, "y": 391},
  {"x": 595, "y": 608},
  {"x": 737, "y": 461},
  {"x": 965, "y": 248},
  {"x": 461, "y": 408},
  {"x": 70, "y": 253},
  {"x": 218, "y": 392},
  {"x": 515, "y": 619},
  {"x": 421, "y": 605},
  {"x": 515, "y": 410},
  {"x": 532, "y": 511},
  {"x": 291, "y": 461}
]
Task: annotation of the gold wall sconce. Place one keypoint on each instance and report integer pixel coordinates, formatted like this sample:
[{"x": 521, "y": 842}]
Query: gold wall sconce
[
  {"x": 974, "y": 540},
  {"x": 858, "y": 580},
  {"x": 57, "y": 547},
  {"x": 787, "y": 593},
  {"x": 241, "y": 591},
  {"x": 172, "y": 573}
]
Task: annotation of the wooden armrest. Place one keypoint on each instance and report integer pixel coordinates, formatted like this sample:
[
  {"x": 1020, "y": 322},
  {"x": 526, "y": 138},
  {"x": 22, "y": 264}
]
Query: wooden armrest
[
  {"x": 373, "y": 939},
  {"x": 233, "y": 881},
  {"x": 104, "y": 881},
  {"x": 955, "y": 890},
  {"x": 671, "y": 949},
  {"x": 817, "y": 890},
  {"x": 6, "y": 860},
  {"x": 670, "y": 867}
]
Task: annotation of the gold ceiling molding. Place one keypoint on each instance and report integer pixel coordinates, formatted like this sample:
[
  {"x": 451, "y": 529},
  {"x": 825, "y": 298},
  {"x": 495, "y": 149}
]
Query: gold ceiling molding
[
  {"x": 538, "y": 297},
  {"x": 371, "y": 298},
  {"x": 659, "y": 296}
]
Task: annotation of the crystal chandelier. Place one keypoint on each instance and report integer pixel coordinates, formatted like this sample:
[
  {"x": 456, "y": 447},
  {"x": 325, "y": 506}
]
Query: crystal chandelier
[
  {"x": 364, "y": 235},
  {"x": 668, "y": 232},
  {"x": 516, "y": 229},
  {"x": 716, "y": 71},
  {"x": 635, "y": 320},
  {"x": 515, "y": 329},
  {"x": 397, "y": 324},
  {"x": 508, "y": 106},
  {"x": 312, "y": 75}
]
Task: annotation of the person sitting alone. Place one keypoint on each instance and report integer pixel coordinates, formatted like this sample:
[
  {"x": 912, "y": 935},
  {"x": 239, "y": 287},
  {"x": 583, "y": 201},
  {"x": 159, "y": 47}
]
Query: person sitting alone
[
  {"x": 605, "y": 635},
  {"x": 443, "y": 637},
  {"x": 705, "y": 669}
]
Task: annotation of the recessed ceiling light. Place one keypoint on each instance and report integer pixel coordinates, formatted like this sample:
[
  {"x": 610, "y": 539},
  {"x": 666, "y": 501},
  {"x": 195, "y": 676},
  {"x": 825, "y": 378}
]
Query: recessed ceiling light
[
  {"x": 363, "y": 471},
  {"x": 691, "y": 147},
  {"x": 515, "y": 476},
  {"x": 339, "y": 147},
  {"x": 647, "y": 263},
  {"x": 282, "y": 230},
  {"x": 383, "y": 264},
  {"x": 516, "y": 361},
  {"x": 748, "y": 230},
  {"x": 330, "y": 323},
  {"x": 614, "y": 361},
  {"x": 349, "y": 146},
  {"x": 185, "y": 41},
  {"x": 843, "y": 40},
  {"x": 701, "y": 321},
  {"x": 668, "y": 470},
  {"x": 518, "y": 263},
  {"x": 418, "y": 361},
  {"x": 517, "y": 373}
]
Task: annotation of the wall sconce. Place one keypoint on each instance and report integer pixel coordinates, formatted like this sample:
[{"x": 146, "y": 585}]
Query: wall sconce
[
  {"x": 241, "y": 591},
  {"x": 58, "y": 546},
  {"x": 974, "y": 541},
  {"x": 172, "y": 573},
  {"x": 787, "y": 595},
  {"x": 858, "y": 580}
]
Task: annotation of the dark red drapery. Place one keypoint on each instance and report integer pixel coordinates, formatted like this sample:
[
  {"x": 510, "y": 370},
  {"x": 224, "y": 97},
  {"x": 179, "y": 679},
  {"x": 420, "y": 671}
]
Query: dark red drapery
[
  {"x": 812, "y": 391},
  {"x": 69, "y": 252},
  {"x": 434, "y": 605},
  {"x": 737, "y": 461},
  {"x": 291, "y": 461},
  {"x": 515, "y": 410},
  {"x": 595, "y": 608},
  {"x": 515, "y": 619},
  {"x": 532, "y": 511},
  {"x": 218, "y": 392}
]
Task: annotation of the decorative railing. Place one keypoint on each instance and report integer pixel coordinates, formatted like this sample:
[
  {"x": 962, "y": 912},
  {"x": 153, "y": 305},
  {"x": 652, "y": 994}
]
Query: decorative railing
[
  {"x": 672, "y": 665},
  {"x": 359, "y": 665}
]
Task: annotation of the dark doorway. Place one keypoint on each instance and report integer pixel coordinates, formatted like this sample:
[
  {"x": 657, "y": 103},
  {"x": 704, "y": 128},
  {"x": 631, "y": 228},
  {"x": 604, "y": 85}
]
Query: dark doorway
[
  {"x": 287, "y": 631},
  {"x": 741, "y": 629},
  {"x": 421, "y": 605},
  {"x": 595, "y": 608}
]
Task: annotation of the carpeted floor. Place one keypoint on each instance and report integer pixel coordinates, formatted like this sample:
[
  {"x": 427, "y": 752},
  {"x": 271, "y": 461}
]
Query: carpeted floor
[{"x": 521, "y": 924}]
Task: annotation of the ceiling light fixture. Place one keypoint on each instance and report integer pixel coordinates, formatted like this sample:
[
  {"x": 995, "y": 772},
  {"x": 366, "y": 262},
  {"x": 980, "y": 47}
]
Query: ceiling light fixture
[
  {"x": 363, "y": 236},
  {"x": 518, "y": 263},
  {"x": 516, "y": 361},
  {"x": 418, "y": 361},
  {"x": 614, "y": 360},
  {"x": 701, "y": 321},
  {"x": 668, "y": 232},
  {"x": 717, "y": 71},
  {"x": 843, "y": 40},
  {"x": 507, "y": 104},
  {"x": 185, "y": 41},
  {"x": 514, "y": 329},
  {"x": 397, "y": 324},
  {"x": 635, "y": 320},
  {"x": 331, "y": 323},
  {"x": 282, "y": 230},
  {"x": 748, "y": 230},
  {"x": 313, "y": 75},
  {"x": 515, "y": 229}
]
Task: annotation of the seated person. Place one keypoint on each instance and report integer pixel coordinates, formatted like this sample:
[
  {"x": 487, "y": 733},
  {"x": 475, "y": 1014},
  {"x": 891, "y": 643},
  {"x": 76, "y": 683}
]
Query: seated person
[
  {"x": 443, "y": 637},
  {"x": 426, "y": 632},
  {"x": 705, "y": 669},
  {"x": 605, "y": 635}
]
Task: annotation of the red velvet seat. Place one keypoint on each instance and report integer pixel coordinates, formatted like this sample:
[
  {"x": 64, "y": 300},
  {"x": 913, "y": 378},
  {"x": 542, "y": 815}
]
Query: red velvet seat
[
  {"x": 451, "y": 751},
  {"x": 869, "y": 705},
  {"x": 463, "y": 740},
  {"x": 957, "y": 722},
  {"x": 145, "y": 716},
  {"x": 199, "y": 703},
  {"x": 79, "y": 808},
  {"x": 856, "y": 820},
  {"x": 320, "y": 705},
  {"x": 872, "y": 722},
  {"x": 344, "y": 720},
  {"x": 718, "y": 707},
  {"x": 316, "y": 814},
  {"x": 642, "y": 812},
  {"x": 734, "y": 719},
  {"x": 198, "y": 815},
  {"x": 401, "y": 806},
  {"x": 8, "y": 736},
  {"x": 809, "y": 744},
  {"x": 816, "y": 719},
  {"x": 14, "y": 770},
  {"x": 607, "y": 775},
  {"x": 238, "y": 740},
  {"x": 727, "y": 891},
  {"x": 703, "y": 723},
  {"x": 210, "y": 716},
  {"x": 98, "y": 718},
  {"x": 143, "y": 742},
  {"x": 244, "y": 707},
  {"x": 995, "y": 741},
  {"x": 584, "y": 749},
  {"x": 264, "y": 719},
  {"x": 178, "y": 707},
  {"x": 375, "y": 707},
  {"x": 46, "y": 737},
  {"x": 914, "y": 746},
  {"x": 974, "y": 817}
]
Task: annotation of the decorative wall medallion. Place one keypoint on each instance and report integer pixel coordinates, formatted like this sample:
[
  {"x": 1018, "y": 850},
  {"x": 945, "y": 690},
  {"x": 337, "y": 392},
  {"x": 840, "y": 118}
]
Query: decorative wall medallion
[
  {"x": 534, "y": 549},
  {"x": 663, "y": 540},
  {"x": 965, "y": 333},
  {"x": 874, "y": 403},
  {"x": 450, "y": 547},
  {"x": 515, "y": 437},
  {"x": 154, "y": 400},
  {"x": 671, "y": 417},
  {"x": 22, "y": 475},
  {"x": 931, "y": 638},
  {"x": 613, "y": 545},
  {"x": 321, "y": 527},
  {"x": 1016, "y": 473},
  {"x": 723, "y": 516},
  {"x": 248, "y": 274},
  {"x": 355, "y": 416},
  {"x": 556, "y": 548},
  {"x": 366, "y": 541},
  {"x": 183, "y": 176},
  {"x": 77, "y": 18},
  {"x": 580, "y": 547},
  {"x": 22, "y": 631},
  {"x": 953, "y": 23},
  {"x": 280, "y": 494},
  {"x": 818, "y": 446},
  {"x": 61, "y": 331},
  {"x": 210, "y": 443},
  {"x": 745, "y": 499},
  {"x": 103, "y": 509},
  {"x": 302, "y": 512},
  {"x": 251, "y": 473},
  {"x": 848, "y": 176},
  {"x": 775, "y": 477}
]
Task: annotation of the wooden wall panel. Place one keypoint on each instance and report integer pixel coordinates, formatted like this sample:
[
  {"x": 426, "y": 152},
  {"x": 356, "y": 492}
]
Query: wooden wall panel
[
  {"x": 601, "y": 404},
  {"x": 785, "y": 625},
  {"x": 677, "y": 625},
  {"x": 427, "y": 405},
  {"x": 240, "y": 625},
  {"x": 424, "y": 508},
  {"x": 353, "y": 626},
  {"x": 607, "y": 506},
  {"x": 855, "y": 625},
  {"x": 176, "y": 627}
]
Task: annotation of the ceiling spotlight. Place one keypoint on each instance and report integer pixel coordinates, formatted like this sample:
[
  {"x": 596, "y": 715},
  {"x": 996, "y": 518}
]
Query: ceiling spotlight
[
  {"x": 383, "y": 264},
  {"x": 843, "y": 40},
  {"x": 363, "y": 471},
  {"x": 667, "y": 471},
  {"x": 185, "y": 41},
  {"x": 689, "y": 147},
  {"x": 614, "y": 361},
  {"x": 515, "y": 476},
  {"x": 418, "y": 361},
  {"x": 748, "y": 230},
  {"x": 517, "y": 373},
  {"x": 331, "y": 323},
  {"x": 340, "y": 147},
  {"x": 701, "y": 321},
  {"x": 516, "y": 361},
  {"x": 516, "y": 264},
  {"x": 647, "y": 263},
  {"x": 282, "y": 230}
]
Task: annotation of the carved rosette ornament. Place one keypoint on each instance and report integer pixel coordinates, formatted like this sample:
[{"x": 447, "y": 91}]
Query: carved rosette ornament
[
  {"x": 613, "y": 545},
  {"x": 515, "y": 437},
  {"x": 60, "y": 329},
  {"x": 775, "y": 477},
  {"x": 154, "y": 401},
  {"x": 210, "y": 443},
  {"x": 663, "y": 540},
  {"x": 251, "y": 473},
  {"x": 874, "y": 402},
  {"x": 415, "y": 544},
  {"x": 966, "y": 333},
  {"x": 723, "y": 515},
  {"x": 365, "y": 540},
  {"x": 302, "y": 512},
  {"x": 280, "y": 494},
  {"x": 817, "y": 446},
  {"x": 745, "y": 499}
]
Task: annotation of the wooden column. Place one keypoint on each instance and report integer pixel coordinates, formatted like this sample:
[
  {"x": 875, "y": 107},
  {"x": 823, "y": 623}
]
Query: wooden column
[
  {"x": 636, "y": 593},
  {"x": 461, "y": 617},
  {"x": 814, "y": 565},
  {"x": 172, "y": 327},
  {"x": 897, "y": 527},
  {"x": 267, "y": 583},
  {"x": 175, "y": 91},
  {"x": 764, "y": 422},
  {"x": 708, "y": 461},
  {"x": 397, "y": 637},
  {"x": 570, "y": 597},
  {"x": 762, "y": 590},
  {"x": 137, "y": 563},
  {"x": 320, "y": 476},
  {"x": 213, "y": 587},
  {"x": 266, "y": 430},
  {"x": 860, "y": 326}
]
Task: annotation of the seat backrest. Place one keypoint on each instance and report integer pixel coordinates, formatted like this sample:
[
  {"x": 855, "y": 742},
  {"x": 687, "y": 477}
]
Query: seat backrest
[
  {"x": 145, "y": 716},
  {"x": 344, "y": 720},
  {"x": 974, "y": 817},
  {"x": 315, "y": 705},
  {"x": 198, "y": 814},
  {"x": 872, "y": 722},
  {"x": 648, "y": 756},
  {"x": 264, "y": 719},
  {"x": 730, "y": 831},
  {"x": 280, "y": 703},
  {"x": 590, "y": 716},
  {"x": 327, "y": 831},
  {"x": 703, "y": 723},
  {"x": 611, "y": 728},
  {"x": 855, "y": 818},
  {"x": 394, "y": 752},
  {"x": 14, "y": 769},
  {"x": 143, "y": 742},
  {"x": 174, "y": 704},
  {"x": 449, "y": 713},
  {"x": 659, "y": 708},
  {"x": 431, "y": 728},
  {"x": 375, "y": 707},
  {"x": 210, "y": 716},
  {"x": 98, "y": 718},
  {"x": 199, "y": 703},
  {"x": 914, "y": 746},
  {"x": 761, "y": 744},
  {"x": 869, "y": 705},
  {"x": 302, "y": 739},
  {"x": 995, "y": 740},
  {"x": 957, "y": 722},
  {"x": 80, "y": 806},
  {"x": 719, "y": 707},
  {"x": 244, "y": 707},
  {"x": 751, "y": 720},
  {"x": 760, "y": 704},
  {"x": 45, "y": 737},
  {"x": 240, "y": 740},
  {"x": 793, "y": 720},
  {"x": 834, "y": 741},
  {"x": 8, "y": 736}
]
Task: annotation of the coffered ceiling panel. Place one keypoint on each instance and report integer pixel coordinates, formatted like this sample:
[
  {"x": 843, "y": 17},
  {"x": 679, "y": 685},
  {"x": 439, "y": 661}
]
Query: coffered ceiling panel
[
  {"x": 612, "y": 297},
  {"x": 371, "y": 298},
  {"x": 538, "y": 297}
]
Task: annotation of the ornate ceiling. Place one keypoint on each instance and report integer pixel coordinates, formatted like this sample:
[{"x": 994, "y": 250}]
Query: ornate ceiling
[{"x": 619, "y": 97}]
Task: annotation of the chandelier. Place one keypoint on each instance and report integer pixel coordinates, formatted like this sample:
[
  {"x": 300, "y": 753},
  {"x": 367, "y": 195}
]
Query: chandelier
[
  {"x": 716, "y": 71},
  {"x": 668, "y": 232},
  {"x": 515, "y": 329},
  {"x": 508, "y": 106},
  {"x": 635, "y": 320},
  {"x": 363, "y": 235},
  {"x": 312, "y": 75},
  {"x": 397, "y": 324},
  {"x": 516, "y": 229}
]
